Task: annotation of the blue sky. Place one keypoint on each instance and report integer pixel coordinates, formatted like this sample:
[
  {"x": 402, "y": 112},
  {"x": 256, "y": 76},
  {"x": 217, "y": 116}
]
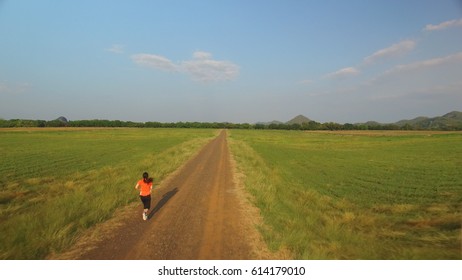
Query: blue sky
[{"x": 236, "y": 61}]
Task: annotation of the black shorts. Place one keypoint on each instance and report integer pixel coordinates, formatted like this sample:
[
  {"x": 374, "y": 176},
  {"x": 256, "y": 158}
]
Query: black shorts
[{"x": 146, "y": 201}]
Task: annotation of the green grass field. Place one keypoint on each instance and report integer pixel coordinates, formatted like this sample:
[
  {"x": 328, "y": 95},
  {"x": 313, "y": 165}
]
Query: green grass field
[
  {"x": 385, "y": 195},
  {"x": 56, "y": 183}
]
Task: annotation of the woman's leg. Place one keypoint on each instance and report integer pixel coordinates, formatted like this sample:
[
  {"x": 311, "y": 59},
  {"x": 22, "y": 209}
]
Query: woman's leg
[{"x": 146, "y": 204}]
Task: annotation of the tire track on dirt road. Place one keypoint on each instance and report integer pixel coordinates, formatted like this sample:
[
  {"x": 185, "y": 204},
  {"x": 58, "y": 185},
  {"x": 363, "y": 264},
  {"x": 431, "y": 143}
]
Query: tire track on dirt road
[{"x": 196, "y": 215}]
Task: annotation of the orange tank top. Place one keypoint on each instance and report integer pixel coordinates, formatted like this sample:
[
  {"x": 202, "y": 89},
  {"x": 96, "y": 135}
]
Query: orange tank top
[{"x": 145, "y": 188}]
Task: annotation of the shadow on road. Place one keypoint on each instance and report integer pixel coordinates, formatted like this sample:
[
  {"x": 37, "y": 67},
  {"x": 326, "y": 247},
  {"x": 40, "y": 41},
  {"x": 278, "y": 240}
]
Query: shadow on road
[{"x": 165, "y": 198}]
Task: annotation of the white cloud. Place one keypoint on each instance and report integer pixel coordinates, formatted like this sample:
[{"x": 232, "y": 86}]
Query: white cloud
[
  {"x": 405, "y": 79},
  {"x": 443, "y": 25},
  {"x": 202, "y": 55},
  {"x": 201, "y": 68},
  {"x": 13, "y": 88},
  {"x": 154, "y": 61},
  {"x": 394, "y": 50},
  {"x": 453, "y": 58},
  {"x": 116, "y": 49},
  {"x": 343, "y": 73}
]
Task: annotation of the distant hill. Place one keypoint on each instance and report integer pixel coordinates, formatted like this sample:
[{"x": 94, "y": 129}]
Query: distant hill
[
  {"x": 450, "y": 120},
  {"x": 299, "y": 120},
  {"x": 268, "y": 123},
  {"x": 411, "y": 122},
  {"x": 372, "y": 123},
  {"x": 62, "y": 119},
  {"x": 454, "y": 115}
]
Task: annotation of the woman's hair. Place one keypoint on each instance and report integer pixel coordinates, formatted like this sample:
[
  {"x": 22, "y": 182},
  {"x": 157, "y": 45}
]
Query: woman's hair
[{"x": 146, "y": 178}]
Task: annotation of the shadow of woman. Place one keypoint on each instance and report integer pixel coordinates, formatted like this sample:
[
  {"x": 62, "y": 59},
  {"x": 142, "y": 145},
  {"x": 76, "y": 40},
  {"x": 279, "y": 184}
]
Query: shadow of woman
[{"x": 165, "y": 198}]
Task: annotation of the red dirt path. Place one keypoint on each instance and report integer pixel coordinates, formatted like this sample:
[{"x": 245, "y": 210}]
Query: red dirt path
[{"x": 196, "y": 215}]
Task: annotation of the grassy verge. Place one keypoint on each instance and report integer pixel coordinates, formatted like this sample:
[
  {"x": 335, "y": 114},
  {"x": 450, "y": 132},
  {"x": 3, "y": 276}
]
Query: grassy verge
[
  {"x": 56, "y": 184},
  {"x": 337, "y": 196}
]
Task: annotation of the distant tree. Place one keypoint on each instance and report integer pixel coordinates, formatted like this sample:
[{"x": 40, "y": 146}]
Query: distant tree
[
  {"x": 276, "y": 126},
  {"x": 312, "y": 125},
  {"x": 41, "y": 123},
  {"x": 390, "y": 127},
  {"x": 259, "y": 126},
  {"x": 55, "y": 123},
  {"x": 5, "y": 123},
  {"x": 295, "y": 126},
  {"x": 245, "y": 126},
  {"x": 332, "y": 126},
  {"x": 348, "y": 126},
  {"x": 407, "y": 127},
  {"x": 153, "y": 124}
]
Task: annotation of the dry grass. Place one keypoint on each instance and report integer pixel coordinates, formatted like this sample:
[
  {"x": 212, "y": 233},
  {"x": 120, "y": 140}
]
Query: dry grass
[{"x": 253, "y": 220}]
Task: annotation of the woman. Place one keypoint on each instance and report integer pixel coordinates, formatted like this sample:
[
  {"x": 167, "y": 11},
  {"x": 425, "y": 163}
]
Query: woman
[{"x": 145, "y": 187}]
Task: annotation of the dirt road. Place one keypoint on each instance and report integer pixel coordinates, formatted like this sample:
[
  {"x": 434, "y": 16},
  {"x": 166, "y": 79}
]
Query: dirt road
[{"x": 196, "y": 215}]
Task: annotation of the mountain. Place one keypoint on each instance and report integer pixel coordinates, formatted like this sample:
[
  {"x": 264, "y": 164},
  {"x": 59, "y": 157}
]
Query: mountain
[
  {"x": 411, "y": 122},
  {"x": 299, "y": 120},
  {"x": 451, "y": 120},
  {"x": 62, "y": 119},
  {"x": 372, "y": 123},
  {"x": 454, "y": 115}
]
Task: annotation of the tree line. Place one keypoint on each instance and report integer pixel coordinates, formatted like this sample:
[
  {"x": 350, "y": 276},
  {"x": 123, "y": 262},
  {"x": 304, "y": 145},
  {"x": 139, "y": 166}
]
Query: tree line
[{"x": 312, "y": 125}]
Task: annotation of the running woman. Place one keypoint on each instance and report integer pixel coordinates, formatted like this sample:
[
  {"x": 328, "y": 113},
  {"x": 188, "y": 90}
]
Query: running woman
[{"x": 145, "y": 186}]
